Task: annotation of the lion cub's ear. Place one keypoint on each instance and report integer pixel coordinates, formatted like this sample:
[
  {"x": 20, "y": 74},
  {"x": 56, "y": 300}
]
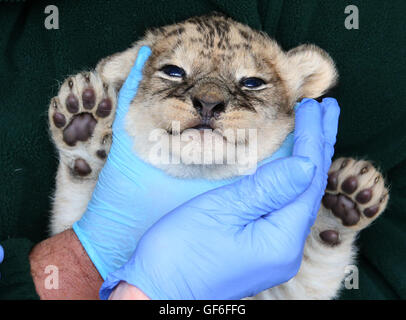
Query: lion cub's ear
[
  {"x": 311, "y": 72},
  {"x": 114, "y": 70}
]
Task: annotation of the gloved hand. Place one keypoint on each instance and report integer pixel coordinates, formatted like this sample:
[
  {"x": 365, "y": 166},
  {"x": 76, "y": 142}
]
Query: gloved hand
[
  {"x": 240, "y": 239},
  {"x": 130, "y": 194},
  {"x": 1, "y": 256}
]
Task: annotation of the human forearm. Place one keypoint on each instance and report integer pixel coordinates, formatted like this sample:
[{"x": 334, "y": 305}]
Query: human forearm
[{"x": 77, "y": 276}]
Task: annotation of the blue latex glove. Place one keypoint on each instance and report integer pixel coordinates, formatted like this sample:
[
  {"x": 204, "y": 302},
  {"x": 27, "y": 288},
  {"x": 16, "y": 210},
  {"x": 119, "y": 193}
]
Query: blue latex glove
[
  {"x": 1, "y": 254},
  {"x": 240, "y": 239},
  {"x": 130, "y": 194}
]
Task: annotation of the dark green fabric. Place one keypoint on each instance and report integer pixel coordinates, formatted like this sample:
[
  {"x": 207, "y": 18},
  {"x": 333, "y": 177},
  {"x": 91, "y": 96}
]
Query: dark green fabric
[
  {"x": 16, "y": 280},
  {"x": 371, "y": 94}
]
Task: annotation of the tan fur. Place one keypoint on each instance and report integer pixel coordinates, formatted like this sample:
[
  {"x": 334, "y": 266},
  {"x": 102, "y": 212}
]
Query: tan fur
[
  {"x": 307, "y": 71},
  {"x": 216, "y": 53}
]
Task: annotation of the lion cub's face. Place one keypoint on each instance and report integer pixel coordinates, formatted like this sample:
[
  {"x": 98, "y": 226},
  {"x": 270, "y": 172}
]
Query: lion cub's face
[{"x": 208, "y": 82}]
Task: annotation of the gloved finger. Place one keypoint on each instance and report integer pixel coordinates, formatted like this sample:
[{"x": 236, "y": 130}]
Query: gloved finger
[
  {"x": 273, "y": 186},
  {"x": 309, "y": 131},
  {"x": 130, "y": 86},
  {"x": 309, "y": 140},
  {"x": 293, "y": 219},
  {"x": 331, "y": 114}
]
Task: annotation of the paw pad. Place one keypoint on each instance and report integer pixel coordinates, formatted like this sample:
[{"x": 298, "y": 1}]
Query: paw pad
[
  {"x": 371, "y": 211},
  {"x": 80, "y": 128},
  {"x": 72, "y": 103},
  {"x": 81, "y": 168},
  {"x": 343, "y": 208},
  {"x": 364, "y": 196},
  {"x": 88, "y": 98},
  {"x": 59, "y": 119},
  {"x": 330, "y": 237},
  {"x": 350, "y": 185},
  {"x": 332, "y": 181},
  {"x": 104, "y": 108}
]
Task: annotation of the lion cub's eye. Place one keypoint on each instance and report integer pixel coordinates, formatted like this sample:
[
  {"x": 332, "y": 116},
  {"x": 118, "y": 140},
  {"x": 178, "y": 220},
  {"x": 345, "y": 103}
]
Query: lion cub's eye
[
  {"x": 173, "y": 71},
  {"x": 252, "y": 83}
]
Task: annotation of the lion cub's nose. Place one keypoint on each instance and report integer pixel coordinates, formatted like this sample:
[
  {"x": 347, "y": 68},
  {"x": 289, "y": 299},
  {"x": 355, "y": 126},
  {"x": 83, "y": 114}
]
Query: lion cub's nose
[
  {"x": 209, "y": 106},
  {"x": 209, "y": 99}
]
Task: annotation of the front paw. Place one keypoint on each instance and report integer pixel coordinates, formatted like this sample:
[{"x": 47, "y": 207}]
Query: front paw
[
  {"x": 80, "y": 119},
  {"x": 355, "y": 193}
]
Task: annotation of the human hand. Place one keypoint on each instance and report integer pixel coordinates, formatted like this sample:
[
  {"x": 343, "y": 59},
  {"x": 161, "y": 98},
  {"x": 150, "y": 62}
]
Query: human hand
[
  {"x": 240, "y": 239},
  {"x": 130, "y": 194}
]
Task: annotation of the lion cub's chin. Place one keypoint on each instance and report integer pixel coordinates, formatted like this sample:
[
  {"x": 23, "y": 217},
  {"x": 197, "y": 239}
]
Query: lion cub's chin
[
  {"x": 209, "y": 156},
  {"x": 205, "y": 154}
]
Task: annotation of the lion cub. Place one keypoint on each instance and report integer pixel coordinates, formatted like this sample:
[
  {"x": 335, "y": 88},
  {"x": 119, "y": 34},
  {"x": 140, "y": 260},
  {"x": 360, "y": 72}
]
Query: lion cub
[{"x": 211, "y": 80}]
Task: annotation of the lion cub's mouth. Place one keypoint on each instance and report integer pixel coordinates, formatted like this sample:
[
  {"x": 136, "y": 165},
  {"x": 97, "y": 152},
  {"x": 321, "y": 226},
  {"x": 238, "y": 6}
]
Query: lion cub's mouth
[{"x": 202, "y": 127}]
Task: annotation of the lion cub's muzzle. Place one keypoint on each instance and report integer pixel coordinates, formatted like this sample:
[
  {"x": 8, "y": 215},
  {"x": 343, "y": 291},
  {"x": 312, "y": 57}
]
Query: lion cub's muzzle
[{"x": 210, "y": 98}]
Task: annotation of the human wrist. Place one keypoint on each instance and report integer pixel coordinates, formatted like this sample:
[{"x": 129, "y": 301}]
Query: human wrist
[{"x": 73, "y": 273}]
